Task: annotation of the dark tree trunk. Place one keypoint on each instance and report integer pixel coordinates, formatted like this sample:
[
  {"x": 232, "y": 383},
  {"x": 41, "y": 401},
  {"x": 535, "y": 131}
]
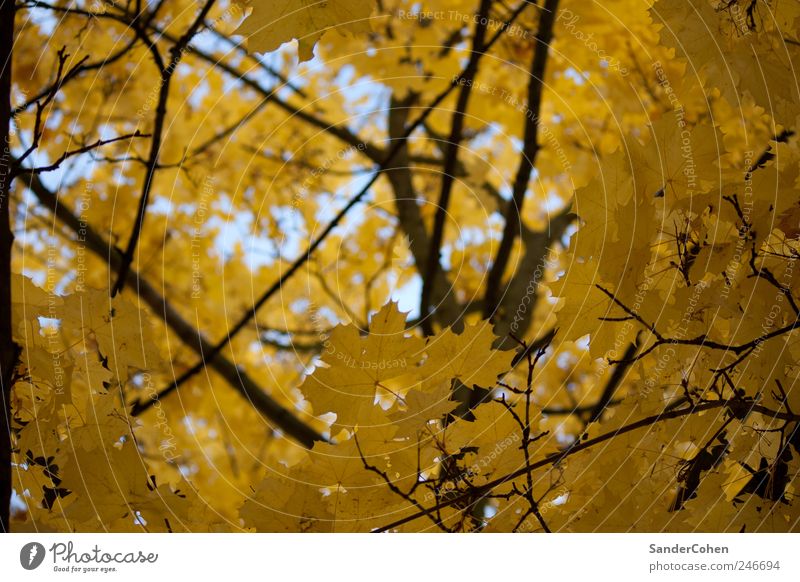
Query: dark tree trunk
[{"x": 8, "y": 349}]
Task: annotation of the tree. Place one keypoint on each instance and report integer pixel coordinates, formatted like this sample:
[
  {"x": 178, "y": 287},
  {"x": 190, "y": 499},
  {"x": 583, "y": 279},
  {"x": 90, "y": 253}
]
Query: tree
[{"x": 391, "y": 266}]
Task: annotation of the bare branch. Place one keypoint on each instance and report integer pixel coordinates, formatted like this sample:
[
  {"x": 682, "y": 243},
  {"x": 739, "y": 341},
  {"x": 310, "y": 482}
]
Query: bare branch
[
  {"x": 18, "y": 170},
  {"x": 451, "y": 157},
  {"x": 155, "y": 146},
  {"x": 530, "y": 149}
]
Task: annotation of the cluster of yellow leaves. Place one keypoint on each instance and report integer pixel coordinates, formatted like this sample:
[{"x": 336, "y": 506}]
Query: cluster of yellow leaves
[
  {"x": 78, "y": 463},
  {"x": 391, "y": 391},
  {"x": 675, "y": 230}
]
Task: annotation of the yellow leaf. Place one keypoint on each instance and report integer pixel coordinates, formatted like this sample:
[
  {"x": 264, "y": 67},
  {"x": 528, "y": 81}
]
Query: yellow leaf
[{"x": 274, "y": 22}]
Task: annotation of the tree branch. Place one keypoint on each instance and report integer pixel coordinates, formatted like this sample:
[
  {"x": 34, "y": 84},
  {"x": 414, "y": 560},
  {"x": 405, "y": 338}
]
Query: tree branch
[
  {"x": 373, "y": 152},
  {"x": 155, "y": 145},
  {"x": 530, "y": 150},
  {"x": 76, "y": 152},
  {"x": 73, "y": 73},
  {"x": 613, "y": 383},
  {"x": 398, "y": 172},
  {"x": 450, "y": 162}
]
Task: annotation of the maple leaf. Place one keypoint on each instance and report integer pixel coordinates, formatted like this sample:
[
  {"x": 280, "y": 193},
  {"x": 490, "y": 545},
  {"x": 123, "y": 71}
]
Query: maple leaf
[
  {"x": 282, "y": 505},
  {"x": 467, "y": 357},
  {"x": 419, "y": 407},
  {"x": 359, "y": 370},
  {"x": 274, "y": 22}
]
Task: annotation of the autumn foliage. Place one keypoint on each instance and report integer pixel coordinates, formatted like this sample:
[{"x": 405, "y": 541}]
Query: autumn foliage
[{"x": 354, "y": 266}]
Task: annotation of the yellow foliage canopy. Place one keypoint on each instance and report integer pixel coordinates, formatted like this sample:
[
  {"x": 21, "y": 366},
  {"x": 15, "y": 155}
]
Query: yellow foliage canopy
[{"x": 467, "y": 266}]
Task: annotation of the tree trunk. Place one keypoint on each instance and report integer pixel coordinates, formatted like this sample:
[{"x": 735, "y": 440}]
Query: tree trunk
[{"x": 8, "y": 349}]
